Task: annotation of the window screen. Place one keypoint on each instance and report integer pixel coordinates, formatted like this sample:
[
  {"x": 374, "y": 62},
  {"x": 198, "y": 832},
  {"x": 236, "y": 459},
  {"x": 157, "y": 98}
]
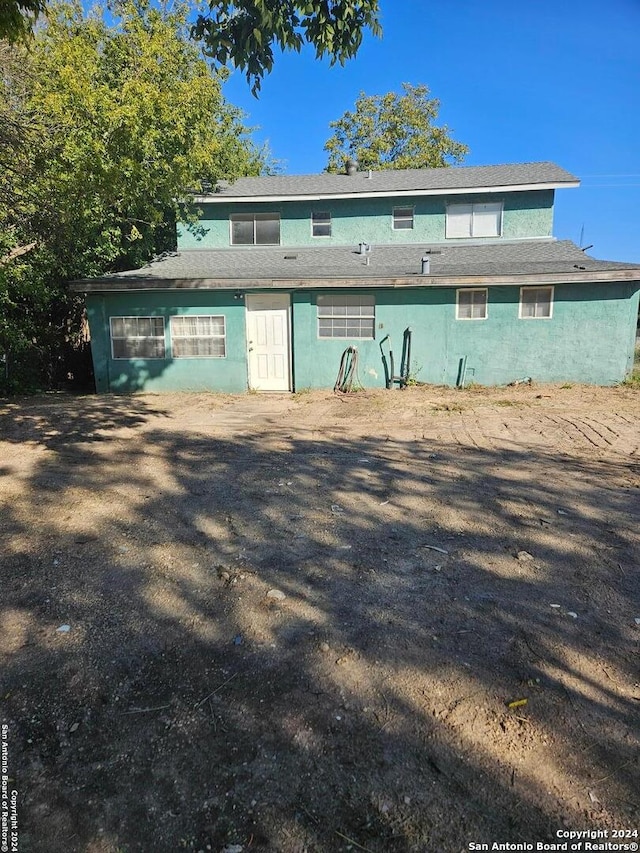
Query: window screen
[{"x": 348, "y": 316}]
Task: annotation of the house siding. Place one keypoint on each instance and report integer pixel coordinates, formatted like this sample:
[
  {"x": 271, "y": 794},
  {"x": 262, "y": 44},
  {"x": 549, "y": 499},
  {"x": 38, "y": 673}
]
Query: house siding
[
  {"x": 589, "y": 338},
  {"x": 526, "y": 215}
]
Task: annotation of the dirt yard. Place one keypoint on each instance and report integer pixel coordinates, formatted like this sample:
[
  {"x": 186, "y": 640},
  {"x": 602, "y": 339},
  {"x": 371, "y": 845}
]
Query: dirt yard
[{"x": 390, "y": 622}]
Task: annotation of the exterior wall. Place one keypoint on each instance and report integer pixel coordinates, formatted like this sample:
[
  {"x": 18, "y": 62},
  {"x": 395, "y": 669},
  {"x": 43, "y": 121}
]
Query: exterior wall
[
  {"x": 526, "y": 215},
  {"x": 589, "y": 338},
  {"x": 183, "y": 374}
]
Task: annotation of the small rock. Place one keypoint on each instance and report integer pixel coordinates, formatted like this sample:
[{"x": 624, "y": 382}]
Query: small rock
[
  {"x": 63, "y": 629},
  {"x": 336, "y": 510},
  {"x": 562, "y": 512},
  {"x": 572, "y": 614},
  {"x": 74, "y": 727},
  {"x": 324, "y": 647},
  {"x": 525, "y": 556},
  {"x": 637, "y": 620},
  {"x": 276, "y": 595},
  {"x": 555, "y": 605}
]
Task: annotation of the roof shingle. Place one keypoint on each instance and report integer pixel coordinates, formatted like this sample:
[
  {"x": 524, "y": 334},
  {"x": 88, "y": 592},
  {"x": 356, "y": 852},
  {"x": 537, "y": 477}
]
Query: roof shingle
[{"x": 394, "y": 181}]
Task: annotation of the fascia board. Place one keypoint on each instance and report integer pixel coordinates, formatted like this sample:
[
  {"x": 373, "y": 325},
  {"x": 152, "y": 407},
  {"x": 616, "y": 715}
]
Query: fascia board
[
  {"x": 577, "y": 277},
  {"x": 222, "y": 199}
]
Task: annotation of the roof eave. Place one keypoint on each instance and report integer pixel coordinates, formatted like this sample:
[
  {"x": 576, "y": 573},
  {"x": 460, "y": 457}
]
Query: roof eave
[
  {"x": 106, "y": 285},
  {"x": 221, "y": 198}
]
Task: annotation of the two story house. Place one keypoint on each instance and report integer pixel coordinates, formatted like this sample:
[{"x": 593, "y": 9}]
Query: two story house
[{"x": 282, "y": 273}]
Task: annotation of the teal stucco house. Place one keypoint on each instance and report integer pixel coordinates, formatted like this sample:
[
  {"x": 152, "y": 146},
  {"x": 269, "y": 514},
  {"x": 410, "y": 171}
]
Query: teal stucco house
[{"x": 285, "y": 272}]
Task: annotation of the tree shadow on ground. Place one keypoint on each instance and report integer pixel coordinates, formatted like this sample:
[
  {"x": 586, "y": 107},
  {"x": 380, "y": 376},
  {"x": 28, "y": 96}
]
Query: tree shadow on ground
[{"x": 425, "y": 587}]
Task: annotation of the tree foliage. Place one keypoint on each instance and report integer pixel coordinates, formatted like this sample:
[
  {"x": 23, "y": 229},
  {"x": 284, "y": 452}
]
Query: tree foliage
[
  {"x": 245, "y": 32},
  {"x": 393, "y": 131},
  {"x": 104, "y": 128},
  {"x": 18, "y": 17}
]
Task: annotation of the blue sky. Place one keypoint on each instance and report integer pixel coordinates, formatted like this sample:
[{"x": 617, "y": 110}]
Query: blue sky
[{"x": 517, "y": 82}]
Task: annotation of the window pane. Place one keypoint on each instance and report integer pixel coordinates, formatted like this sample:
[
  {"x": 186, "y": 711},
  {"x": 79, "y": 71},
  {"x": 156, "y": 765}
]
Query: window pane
[
  {"x": 486, "y": 219},
  {"x": 472, "y": 304},
  {"x": 242, "y": 231},
  {"x": 536, "y": 302},
  {"x": 117, "y": 327},
  {"x": 464, "y": 305},
  {"x": 346, "y": 316},
  {"x": 267, "y": 229},
  {"x": 458, "y": 220},
  {"x": 198, "y": 336},
  {"x": 321, "y": 224},
  {"x": 402, "y": 218}
]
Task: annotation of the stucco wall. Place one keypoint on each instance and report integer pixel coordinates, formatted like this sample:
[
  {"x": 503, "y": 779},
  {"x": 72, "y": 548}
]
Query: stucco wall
[
  {"x": 590, "y": 338},
  {"x": 183, "y": 374},
  {"x": 526, "y": 214}
]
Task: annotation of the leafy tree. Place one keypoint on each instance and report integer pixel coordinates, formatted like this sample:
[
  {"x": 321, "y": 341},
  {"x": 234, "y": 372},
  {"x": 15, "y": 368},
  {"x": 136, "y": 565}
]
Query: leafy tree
[
  {"x": 393, "y": 131},
  {"x": 245, "y": 32},
  {"x": 105, "y": 127},
  {"x": 17, "y": 18}
]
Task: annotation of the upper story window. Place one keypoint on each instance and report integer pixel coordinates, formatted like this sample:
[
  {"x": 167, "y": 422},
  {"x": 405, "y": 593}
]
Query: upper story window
[
  {"x": 321, "y": 223},
  {"x": 478, "y": 219},
  {"x": 402, "y": 218},
  {"x": 255, "y": 229},
  {"x": 536, "y": 303},
  {"x": 137, "y": 337},
  {"x": 471, "y": 304}
]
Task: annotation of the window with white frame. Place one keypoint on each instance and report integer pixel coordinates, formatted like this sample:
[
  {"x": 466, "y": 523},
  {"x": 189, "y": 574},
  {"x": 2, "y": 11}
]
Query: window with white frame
[
  {"x": 321, "y": 223},
  {"x": 255, "y": 229},
  {"x": 471, "y": 304},
  {"x": 536, "y": 303},
  {"x": 201, "y": 336},
  {"x": 346, "y": 316},
  {"x": 477, "y": 219},
  {"x": 402, "y": 218},
  {"x": 137, "y": 337}
]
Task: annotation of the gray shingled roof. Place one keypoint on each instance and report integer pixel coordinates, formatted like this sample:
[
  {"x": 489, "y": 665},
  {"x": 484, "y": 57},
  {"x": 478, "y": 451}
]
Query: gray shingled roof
[
  {"x": 268, "y": 266},
  {"x": 394, "y": 180}
]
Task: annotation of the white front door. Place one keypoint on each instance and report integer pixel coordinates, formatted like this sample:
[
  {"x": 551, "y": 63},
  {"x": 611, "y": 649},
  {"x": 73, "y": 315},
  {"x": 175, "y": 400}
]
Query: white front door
[{"x": 268, "y": 341}]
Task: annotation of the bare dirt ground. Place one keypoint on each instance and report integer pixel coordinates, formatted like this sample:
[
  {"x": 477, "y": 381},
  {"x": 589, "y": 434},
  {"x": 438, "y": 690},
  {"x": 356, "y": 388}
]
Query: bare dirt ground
[{"x": 297, "y": 623}]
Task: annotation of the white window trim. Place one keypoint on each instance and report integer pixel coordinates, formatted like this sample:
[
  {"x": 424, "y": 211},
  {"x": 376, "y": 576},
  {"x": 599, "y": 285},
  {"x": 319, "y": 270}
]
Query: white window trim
[
  {"x": 115, "y": 357},
  {"x": 196, "y": 316},
  {"x": 484, "y": 290},
  {"x": 273, "y": 213},
  {"x": 473, "y": 204},
  {"x": 372, "y": 316},
  {"x": 537, "y": 287},
  {"x": 328, "y": 220},
  {"x": 403, "y": 207}
]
